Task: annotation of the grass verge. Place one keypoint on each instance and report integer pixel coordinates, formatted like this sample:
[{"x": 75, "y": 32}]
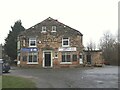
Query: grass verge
[
  {"x": 0, "y": 82},
  {"x": 16, "y": 82}
]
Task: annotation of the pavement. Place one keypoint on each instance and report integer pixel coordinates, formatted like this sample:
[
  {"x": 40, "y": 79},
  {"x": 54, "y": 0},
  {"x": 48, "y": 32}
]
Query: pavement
[{"x": 82, "y": 77}]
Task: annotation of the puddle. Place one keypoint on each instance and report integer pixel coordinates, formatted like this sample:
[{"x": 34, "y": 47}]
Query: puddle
[{"x": 100, "y": 82}]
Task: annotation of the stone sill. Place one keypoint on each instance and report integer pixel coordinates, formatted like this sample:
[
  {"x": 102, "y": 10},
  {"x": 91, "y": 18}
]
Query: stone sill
[
  {"x": 32, "y": 63},
  {"x": 43, "y": 31},
  {"x": 66, "y": 63}
]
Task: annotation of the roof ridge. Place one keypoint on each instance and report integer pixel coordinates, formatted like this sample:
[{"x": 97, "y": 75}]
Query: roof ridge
[{"x": 56, "y": 21}]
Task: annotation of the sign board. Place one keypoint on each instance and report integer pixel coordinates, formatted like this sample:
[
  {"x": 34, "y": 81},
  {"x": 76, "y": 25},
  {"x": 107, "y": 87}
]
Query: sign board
[
  {"x": 67, "y": 49},
  {"x": 29, "y": 49}
]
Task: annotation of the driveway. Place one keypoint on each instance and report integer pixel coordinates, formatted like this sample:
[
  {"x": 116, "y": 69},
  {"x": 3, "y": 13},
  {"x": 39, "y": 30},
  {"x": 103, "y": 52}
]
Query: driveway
[{"x": 83, "y": 77}]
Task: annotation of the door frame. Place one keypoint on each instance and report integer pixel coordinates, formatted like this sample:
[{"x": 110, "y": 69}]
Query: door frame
[
  {"x": 81, "y": 58},
  {"x": 43, "y": 64}
]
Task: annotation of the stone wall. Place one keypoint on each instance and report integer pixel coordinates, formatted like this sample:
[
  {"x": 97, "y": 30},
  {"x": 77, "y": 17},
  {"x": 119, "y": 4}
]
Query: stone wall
[
  {"x": 96, "y": 57},
  {"x": 52, "y": 41},
  {"x": 49, "y": 42}
]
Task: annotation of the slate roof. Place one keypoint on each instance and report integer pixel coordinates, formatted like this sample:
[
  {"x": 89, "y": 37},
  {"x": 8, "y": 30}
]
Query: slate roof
[
  {"x": 92, "y": 50},
  {"x": 62, "y": 29}
]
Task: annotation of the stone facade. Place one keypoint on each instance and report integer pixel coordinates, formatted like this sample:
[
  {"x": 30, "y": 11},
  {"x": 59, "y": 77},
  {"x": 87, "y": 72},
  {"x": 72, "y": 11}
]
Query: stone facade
[
  {"x": 93, "y": 57},
  {"x": 50, "y": 44}
]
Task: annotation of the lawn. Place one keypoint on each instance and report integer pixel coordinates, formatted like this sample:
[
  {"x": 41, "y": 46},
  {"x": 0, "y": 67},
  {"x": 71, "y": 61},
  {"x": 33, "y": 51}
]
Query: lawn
[
  {"x": 0, "y": 82},
  {"x": 16, "y": 82}
]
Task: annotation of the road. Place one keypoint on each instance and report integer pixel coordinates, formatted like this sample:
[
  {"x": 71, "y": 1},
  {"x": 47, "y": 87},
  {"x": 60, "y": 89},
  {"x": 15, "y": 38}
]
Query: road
[{"x": 83, "y": 77}]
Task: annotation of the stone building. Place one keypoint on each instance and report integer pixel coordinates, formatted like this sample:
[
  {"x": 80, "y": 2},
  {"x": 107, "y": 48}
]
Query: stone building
[
  {"x": 93, "y": 57},
  {"x": 50, "y": 43}
]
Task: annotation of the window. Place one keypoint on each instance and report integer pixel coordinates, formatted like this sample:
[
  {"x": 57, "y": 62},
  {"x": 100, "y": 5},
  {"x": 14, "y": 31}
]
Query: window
[
  {"x": 74, "y": 57},
  {"x": 18, "y": 45},
  {"x": 18, "y": 62},
  {"x": 53, "y": 28},
  {"x": 18, "y": 56},
  {"x": 80, "y": 56},
  {"x": 65, "y": 42},
  {"x": 43, "y": 28},
  {"x": 66, "y": 57},
  {"x": 32, "y": 42},
  {"x": 32, "y": 58},
  {"x": 24, "y": 58},
  {"x": 23, "y": 42}
]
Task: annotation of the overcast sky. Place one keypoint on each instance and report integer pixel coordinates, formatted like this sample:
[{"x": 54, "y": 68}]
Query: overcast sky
[{"x": 91, "y": 17}]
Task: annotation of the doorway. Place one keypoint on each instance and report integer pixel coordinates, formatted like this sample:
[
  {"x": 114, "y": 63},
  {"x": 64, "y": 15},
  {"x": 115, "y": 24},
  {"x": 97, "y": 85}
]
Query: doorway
[
  {"x": 47, "y": 59},
  {"x": 89, "y": 58}
]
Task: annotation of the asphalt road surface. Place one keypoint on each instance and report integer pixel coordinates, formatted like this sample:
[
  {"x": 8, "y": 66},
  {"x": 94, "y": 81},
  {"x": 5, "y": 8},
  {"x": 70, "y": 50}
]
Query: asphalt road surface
[{"x": 83, "y": 77}]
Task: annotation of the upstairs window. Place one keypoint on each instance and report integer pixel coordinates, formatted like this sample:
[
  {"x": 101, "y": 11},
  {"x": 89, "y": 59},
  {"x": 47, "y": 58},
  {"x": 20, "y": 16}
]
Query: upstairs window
[
  {"x": 43, "y": 28},
  {"x": 32, "y": 42},
  {"x": 53, "y": 28},
  {"x": 65, "y": 42}
]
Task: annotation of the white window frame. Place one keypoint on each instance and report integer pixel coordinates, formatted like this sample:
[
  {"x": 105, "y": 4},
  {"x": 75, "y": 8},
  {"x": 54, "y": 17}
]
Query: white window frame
[
  {"x": 53, "y": 29},
  {"x": 19, "y": 58},
  {"x": 18, "y": 45},
  {"x": 81, "y": 59},
  {"x": 24, "y": 43},
  {"x": 30, "y": 40},
  {"x": 43, "y": 29},
  {"x": 66, "y": 40},
  {"x": 66, "y": 59},
  {"x": 44, "y": 58},
  {"x": 65, "y": 62},
  {"x": 33, "y": 53}
]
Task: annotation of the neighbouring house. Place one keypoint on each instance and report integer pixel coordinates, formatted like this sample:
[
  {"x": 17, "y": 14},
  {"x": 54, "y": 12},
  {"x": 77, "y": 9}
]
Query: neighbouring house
[
  {"x": 50, "y": 43},
  {"x": 93, "y": 57}
]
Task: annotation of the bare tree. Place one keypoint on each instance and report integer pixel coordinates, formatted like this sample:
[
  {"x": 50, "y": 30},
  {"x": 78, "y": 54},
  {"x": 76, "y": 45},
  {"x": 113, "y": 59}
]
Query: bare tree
[
  {"x": 91, "y": 45},
  {"x": 109, "y": 46}
]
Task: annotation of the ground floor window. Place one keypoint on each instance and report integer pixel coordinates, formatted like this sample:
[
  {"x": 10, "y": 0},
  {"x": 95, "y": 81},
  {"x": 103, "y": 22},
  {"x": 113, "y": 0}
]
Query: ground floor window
[
  {"x": 32, "y": 57},
  {"x": 80, "y": 56},
  {"x": 69, "y": 57},
  {"x": 24, "y": 58},
  {"x": 74, "y": 57},
  {"x": 19, "y": 57},
  {"x": 66, "y": 57}
]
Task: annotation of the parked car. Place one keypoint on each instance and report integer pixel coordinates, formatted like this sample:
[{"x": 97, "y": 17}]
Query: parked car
[
  {"x": 5, "y": 67},
  {"x": 106, "y": 63}
]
